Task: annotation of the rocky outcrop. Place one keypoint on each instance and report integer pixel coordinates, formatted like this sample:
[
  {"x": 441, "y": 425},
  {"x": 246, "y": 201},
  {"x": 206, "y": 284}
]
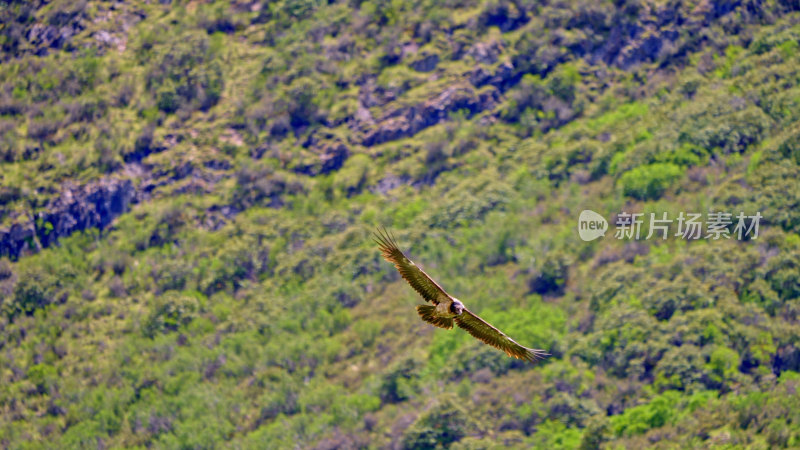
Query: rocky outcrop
[
  {"x": 425, "y": 63},
  {"x": 94, "y": 205},
  {"x": 388, "y": 183},
  {"x": 504, "y": 15},
  {"x": 327, "y": 158},
  {"x": 485, "y": 52},
  {"x": 646, "y": 45},
  {"x": 501, "y": 78},
  {"x": 623, "y": 40},
  {"x": 407, "y": 121},
  {"x": 18, "y": 237},
  {"x": 98, "y": 203},
  {"x": 28, "y": 31},
  {"x": 44, "y": 37},
  {"x": 333, "y": 158}
]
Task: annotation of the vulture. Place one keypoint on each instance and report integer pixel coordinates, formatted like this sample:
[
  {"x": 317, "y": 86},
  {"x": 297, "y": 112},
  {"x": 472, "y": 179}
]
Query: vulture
[{"x": 446, "y": 309}]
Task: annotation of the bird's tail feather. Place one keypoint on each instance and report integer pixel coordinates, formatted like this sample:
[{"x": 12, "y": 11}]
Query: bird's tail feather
[{"x": 426, "y": 312}]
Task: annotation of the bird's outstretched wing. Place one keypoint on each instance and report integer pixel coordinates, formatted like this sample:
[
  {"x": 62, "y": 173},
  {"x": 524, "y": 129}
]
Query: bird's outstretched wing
[
  {"x": 481, "y": 329},
  {"x": 419, "y": 280}
]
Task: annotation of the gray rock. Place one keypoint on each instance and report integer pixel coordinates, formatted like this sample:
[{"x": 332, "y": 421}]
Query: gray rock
[
  {"x": 94, "y": 205},
  {"x": 485, "y": 52},
  {"x": 407, "y": 121},
  {"x": 330, "y": 157},
  {"x": 426, "y": 63}
]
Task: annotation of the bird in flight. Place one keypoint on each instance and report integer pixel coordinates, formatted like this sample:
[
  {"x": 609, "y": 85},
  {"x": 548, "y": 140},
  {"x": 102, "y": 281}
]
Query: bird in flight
[{"x": 447, "y": 309}]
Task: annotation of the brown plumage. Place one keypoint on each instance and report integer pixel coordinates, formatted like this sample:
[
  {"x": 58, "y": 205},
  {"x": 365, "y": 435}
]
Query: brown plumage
[{"x": 447, "y": 309}]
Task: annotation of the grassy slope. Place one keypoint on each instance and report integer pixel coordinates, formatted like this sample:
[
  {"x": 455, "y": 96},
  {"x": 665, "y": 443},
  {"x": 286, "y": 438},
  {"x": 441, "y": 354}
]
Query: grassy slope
[{"x": 284, "y": 325}]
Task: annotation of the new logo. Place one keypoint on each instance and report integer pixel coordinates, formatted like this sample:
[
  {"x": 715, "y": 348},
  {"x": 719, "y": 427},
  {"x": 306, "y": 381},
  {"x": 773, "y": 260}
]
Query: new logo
[{"x": 591, "y": 225}]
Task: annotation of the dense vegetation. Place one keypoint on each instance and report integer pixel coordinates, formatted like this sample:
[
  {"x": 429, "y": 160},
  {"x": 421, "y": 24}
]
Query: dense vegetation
[{"x": 187, "y": 192}]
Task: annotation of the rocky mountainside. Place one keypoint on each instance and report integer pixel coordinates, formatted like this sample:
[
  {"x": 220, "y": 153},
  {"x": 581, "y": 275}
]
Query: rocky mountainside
[
  {"x": 607, "y": 37},
  {"x": 187, "y": 191}
]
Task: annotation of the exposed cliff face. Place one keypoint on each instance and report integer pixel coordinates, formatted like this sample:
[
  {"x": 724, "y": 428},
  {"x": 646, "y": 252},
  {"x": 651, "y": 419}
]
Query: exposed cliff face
[
  {"x": 98, "y": 203},
  {"x": 637, "y": 34},
  {"x": 63, "y": 26},
  {"x": 617, "y": 40},
  {"x": 77, "y": 208},
  {"x": 407, "y": 121}
]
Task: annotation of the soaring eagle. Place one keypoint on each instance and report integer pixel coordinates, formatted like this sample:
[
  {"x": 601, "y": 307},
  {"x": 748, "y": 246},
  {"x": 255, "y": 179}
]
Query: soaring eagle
[{"x": 447, "y": 309}]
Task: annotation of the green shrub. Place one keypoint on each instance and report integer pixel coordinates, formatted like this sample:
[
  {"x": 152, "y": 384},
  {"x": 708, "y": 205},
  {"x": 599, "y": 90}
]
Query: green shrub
[
  {"x": 554, "y": 434},
  {"x": 44, "y": 377},
  {"x": 401, "y": 381},
  {"x": 790, "y": 147},
  {"x": 550, "y": 277},
  {"x": 446, "y": 422},
  {"x": 35, "y": 290},
  {"x": 782, "y": 275},
  {"x": 185, "y": 74},
  {"x": 257, "y": 185},
  {"x": 659, "y": 412},
  {"x": 170, "y": 312},
  {"x": 723, "y": 364},
  {"x": 650, "y": 181},
  {"x": 685, "y": 155}
]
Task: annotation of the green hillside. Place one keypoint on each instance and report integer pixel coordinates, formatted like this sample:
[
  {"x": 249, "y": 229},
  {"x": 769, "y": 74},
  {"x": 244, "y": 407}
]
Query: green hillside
[{"x": 188, "y": 191}]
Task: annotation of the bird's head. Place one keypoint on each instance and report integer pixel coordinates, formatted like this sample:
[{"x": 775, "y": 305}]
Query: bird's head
[{"x": 456, "y": 307}]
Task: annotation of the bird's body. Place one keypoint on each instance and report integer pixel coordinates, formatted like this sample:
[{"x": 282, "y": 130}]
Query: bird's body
[
  {"x": 442, "y": 314},
  {"x": 447, "y": 310},
  {"x": 450, "y": 309}
]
